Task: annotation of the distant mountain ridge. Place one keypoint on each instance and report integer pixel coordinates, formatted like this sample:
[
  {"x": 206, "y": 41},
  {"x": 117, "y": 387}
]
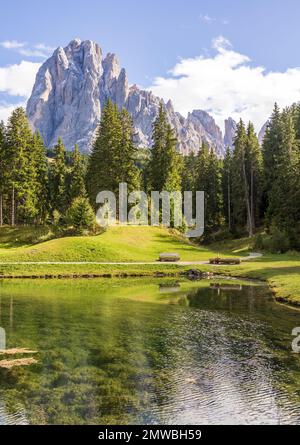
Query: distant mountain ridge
[{"x": 73, "y": 85}]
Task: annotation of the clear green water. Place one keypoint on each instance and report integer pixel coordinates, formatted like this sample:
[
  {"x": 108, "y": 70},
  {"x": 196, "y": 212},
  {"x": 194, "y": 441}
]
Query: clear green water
[{"x": 148, "y": 351}]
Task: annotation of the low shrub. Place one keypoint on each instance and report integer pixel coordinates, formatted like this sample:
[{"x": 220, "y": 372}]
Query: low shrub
[
  {"x": 275, "y": 242},
  {"x": 80, "y": 215}
]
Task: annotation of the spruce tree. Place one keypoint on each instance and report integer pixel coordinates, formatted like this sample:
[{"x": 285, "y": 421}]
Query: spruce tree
[
  {"x": 227, "y": 188},
  {"x": 104, "y": 161},
  {"x": 112, "y": 160},
  {"x": 3, "y": 170},
  {"x": 80, "y": 215},
  {"x": 253, "y": 166},
  {"x": 296, "y": 118},
  {"x": 157, "y": 165},
  {"x": 166, "y": 163},
  {"x": 21, "y": 168},
  {"x": 76, "y": 175},
  {"x": 58, "y": 174},
  {"x": 173, "y": 163},
  {"x": 246, "y": 178},
  {"x": 283, "y": 211},
  {"x": 208, "y": 179},
  {"x": 41, "y": 176},
  {"x": 189, "y": 172},
  {"x": 215, "y": 201},
  {"x": 271, "y": 148},
  {"x": 240, "y": 186},
  {"x": 126, "y": 169}
]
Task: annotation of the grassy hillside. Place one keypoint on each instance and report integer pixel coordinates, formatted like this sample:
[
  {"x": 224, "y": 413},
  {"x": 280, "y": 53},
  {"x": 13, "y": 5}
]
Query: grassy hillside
[
  {"x": 282, "y": 272},
  {"x": 140, "y": 244},
  {"x": 128, "y": 244}
]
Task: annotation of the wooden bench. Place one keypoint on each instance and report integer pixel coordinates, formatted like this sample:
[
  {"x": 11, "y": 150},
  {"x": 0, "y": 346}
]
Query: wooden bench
[
  {"x": 169, "y": 257},
  {"x": 218, "y": 260}
]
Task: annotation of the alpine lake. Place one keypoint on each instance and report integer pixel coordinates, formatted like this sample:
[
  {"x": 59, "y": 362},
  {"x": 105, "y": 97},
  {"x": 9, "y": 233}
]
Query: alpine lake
[{"x": 146, "y": 351}]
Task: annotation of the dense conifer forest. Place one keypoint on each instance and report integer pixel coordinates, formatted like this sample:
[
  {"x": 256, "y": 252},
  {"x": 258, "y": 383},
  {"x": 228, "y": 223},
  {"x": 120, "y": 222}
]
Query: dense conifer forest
[{"x": 253, "y": 190}]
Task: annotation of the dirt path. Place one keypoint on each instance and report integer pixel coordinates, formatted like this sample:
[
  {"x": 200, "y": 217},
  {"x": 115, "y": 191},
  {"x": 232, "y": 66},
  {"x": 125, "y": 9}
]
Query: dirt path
[{"x": 71, "y": 263}]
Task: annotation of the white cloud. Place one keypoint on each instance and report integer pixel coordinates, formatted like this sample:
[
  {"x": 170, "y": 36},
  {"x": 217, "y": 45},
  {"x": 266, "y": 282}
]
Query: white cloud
[
  {"x": 12, "y": 44},
  {"x": 225, "y": 84},
  {"x": 44, "y": 47},
  {"x": 6, "y": 109},
  {"x": 208, "y": 19},
  {"x": 40, "y": 50},
  {"x": 18, "y": 79},
  {"x": 220, "y": 43},
  {"x": 31, "y": 52}
]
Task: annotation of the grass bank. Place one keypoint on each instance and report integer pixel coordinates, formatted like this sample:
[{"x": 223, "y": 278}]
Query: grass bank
[
  {"x": 281, "y": 272},
  {"x": 140, "y": 244},
  {"x": 117, "y": 244}
]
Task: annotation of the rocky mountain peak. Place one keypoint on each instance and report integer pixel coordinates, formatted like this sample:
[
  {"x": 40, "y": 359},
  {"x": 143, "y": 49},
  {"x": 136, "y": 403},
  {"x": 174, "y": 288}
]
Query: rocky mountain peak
[
  {"x": 230, "y": 129},
  {"x": 75, "y": 43},
  {"x": 72, "y": 87},
  {"x": 262, "y": 132},
  {"x": 208, "y": 123},
  {"x": 111, "y": 66},
  {"x": 169, "y": 106}
]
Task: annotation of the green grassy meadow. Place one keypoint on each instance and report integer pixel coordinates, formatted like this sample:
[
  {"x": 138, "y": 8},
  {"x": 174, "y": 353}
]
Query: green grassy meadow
[
  {"x": 117, "y": 244},
  {"x": 139, "y": 244}
]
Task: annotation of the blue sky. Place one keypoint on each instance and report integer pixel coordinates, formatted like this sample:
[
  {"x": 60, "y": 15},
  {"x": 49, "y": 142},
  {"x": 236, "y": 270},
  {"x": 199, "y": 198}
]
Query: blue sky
[{"x": 151, "y": 37}]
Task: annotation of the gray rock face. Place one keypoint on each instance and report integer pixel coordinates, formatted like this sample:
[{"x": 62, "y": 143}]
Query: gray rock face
[
  {"x": 72, "y": 87},
  {"x": 230, "y": 129},
  {"x": 262, "y": 133},
  {"x": 202, "y": 127}
]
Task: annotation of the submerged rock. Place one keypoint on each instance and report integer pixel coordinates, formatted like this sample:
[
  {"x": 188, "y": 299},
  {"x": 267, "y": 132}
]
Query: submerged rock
[
  {"x": 196, "y": 274},
  {"x": 8, "y": 364}
]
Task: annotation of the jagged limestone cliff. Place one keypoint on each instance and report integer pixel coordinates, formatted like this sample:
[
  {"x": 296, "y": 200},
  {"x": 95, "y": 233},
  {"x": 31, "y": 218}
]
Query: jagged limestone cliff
[{"x": 72, "y": 87}]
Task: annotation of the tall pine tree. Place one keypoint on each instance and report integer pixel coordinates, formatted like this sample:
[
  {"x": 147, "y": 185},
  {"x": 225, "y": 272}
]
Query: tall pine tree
[
  {"x": 208, "y": 179},
  {"x": 76, "y": 176},
  {"x": 240, "y": 187},
  {"x": 3, "y": 169},
  {"x": 41, "y": 176},
  {"x": 105, "y": 156},
  {"x": 21, "y": 167},
  {"x": 282, "y": 210},
  {"x": 126, "y": 170},
  {"x": 166, "y": 163},
  {"x": 253, "y": 172},
  {"x": 112, "y": 160},
  {"x": 227, "y": 188},
  {"x": 58, "y": 174}
]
